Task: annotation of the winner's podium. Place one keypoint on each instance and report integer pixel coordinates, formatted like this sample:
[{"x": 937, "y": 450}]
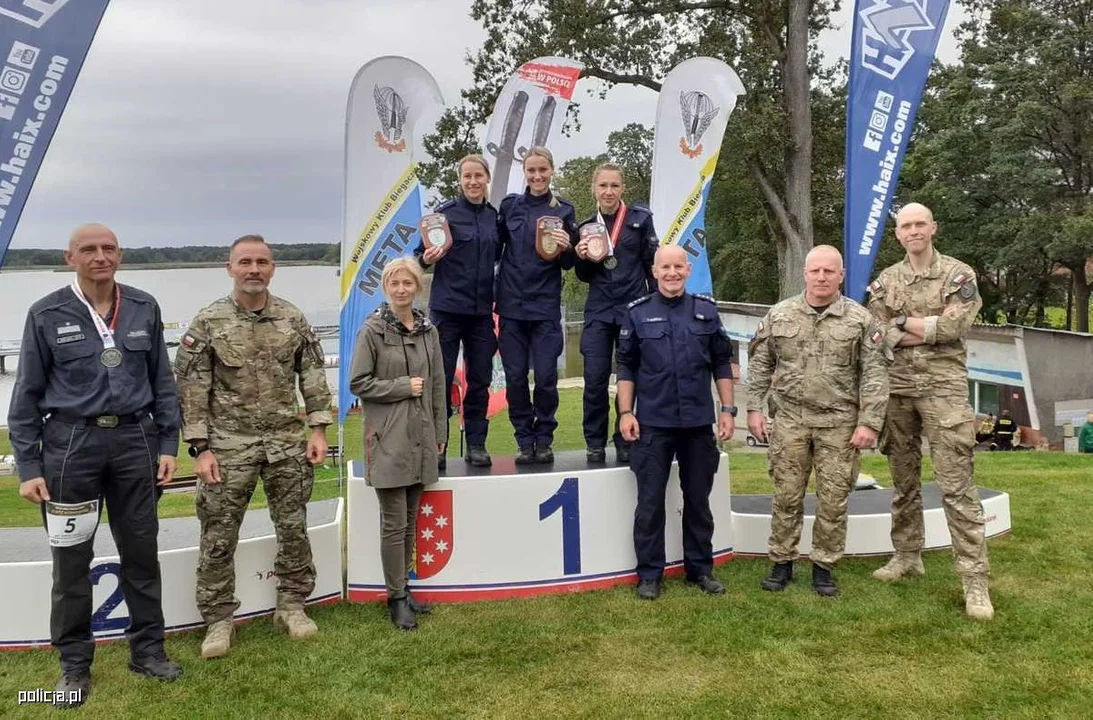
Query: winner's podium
[{"x": 508, "y": 531}]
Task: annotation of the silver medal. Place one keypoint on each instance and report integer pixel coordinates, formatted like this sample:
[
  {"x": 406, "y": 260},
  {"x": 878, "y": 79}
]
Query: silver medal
[
  {"x": 110, "y": 357},
  {"x": 610, "y": 262}
]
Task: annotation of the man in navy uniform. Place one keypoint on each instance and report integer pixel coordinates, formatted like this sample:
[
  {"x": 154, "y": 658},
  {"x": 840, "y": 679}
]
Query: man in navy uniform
[
  {"x": 93, "y": 364},
  {"x": 671, "y": 346}
]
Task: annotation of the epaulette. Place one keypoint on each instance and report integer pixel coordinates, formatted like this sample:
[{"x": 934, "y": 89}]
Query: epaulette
[
  {"x": 707, "y": 298},
  {"x": 444, "y": 205},
  {"x": 640, "y": 206},
  {"x": 639, "y": 301},
  {"x": 562, "y": 200}
]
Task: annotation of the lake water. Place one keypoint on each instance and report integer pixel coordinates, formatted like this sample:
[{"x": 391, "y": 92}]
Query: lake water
[{"x": 181, "y": 294}]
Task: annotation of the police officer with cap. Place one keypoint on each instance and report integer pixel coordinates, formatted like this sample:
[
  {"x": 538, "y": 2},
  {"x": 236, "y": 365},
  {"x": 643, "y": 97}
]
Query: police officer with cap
[
  {"x": 94, "y": 416},
  {"x": 671, "y": 346},
  {"x": 614, "y": 281}
]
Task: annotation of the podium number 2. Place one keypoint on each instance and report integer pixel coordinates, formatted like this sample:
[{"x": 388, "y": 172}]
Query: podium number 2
[
  {"x": 100, "y": 619},
  {"x": 566, "y": 499}
]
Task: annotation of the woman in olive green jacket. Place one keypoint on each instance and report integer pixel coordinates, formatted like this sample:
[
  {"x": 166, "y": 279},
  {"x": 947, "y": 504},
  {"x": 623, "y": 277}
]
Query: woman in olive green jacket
[{"x": 398, "y": 373}]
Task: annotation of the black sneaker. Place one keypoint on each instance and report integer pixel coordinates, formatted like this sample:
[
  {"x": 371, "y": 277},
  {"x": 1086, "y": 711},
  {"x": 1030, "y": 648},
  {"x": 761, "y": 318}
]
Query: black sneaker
[
  {"x": 478, "y": 457},
  {"x": 526, "y": 456},
  {"x": 622, "y": 454},
  {"x": 780, "y": 576},
  {"x": 596, "y": 455},
  {"x": 707, "y": 584},
  {"x": 822, "y": 581},
  {"x": 157, "y": 666},
  {"x": 73, "y": 688},
  {"x": 649, "y": 589},
  {"x": 544, "y": 455}
]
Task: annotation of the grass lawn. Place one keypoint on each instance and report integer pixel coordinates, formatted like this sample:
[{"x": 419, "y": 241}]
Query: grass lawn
[{"x": 901, "y": 650}]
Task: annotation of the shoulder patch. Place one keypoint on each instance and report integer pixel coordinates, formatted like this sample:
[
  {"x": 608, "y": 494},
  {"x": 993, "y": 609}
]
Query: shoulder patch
[
  {"x": 191, "y": 343},
  {"x": 960, "y": 278},
  {"x": 967, "y": 291},
  {"x": 876, "y": 286},
  {"x": 639, "y": 301},
  {"x": 877, "y": 337},
  {"x": 760, "y": 329}
]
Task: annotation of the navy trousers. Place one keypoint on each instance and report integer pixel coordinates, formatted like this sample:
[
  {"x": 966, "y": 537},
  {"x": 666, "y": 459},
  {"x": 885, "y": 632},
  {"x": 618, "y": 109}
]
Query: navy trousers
[
  {"x": 651, "y": 460},
  {"x": 475, "y": 333},
  {"x": 531, "y": 345},
  {"x": 598, "y": 342}
]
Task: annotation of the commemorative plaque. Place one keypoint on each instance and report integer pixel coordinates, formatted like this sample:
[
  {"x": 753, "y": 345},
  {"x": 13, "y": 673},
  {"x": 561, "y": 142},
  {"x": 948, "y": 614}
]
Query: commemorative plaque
[
  {"x": 597, "y": 239},
  {"x": 545, "y": 242},
  {"x": 435, "y": 231}
]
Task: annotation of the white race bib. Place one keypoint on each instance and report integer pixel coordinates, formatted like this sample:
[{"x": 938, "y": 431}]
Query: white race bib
[{"x": 70, "y": 524}]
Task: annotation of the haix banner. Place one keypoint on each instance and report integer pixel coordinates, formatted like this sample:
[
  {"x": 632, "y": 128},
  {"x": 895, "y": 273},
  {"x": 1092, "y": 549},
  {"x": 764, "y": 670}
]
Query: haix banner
[
  {"x": 892, "y": 48},
  {"x": 42, "y": 46},
  {"x": 393, "y": 103},
  {"x": 696, "y": 100},
  {"x": 529, "y": 112}
]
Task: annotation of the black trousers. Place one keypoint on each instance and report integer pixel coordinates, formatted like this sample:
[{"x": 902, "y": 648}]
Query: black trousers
[
  {"x": 651, "y": 460},
  {"x": 598, "y": 342},
  {"x": 528, "y": 345},
  {"x": 475, "y": 332},
  {"x": 119, "y": 465}
]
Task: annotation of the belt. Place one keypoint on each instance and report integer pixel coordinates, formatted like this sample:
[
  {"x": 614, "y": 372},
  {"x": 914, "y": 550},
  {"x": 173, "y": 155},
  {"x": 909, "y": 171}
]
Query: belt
[{"x": 103, "y": 421}]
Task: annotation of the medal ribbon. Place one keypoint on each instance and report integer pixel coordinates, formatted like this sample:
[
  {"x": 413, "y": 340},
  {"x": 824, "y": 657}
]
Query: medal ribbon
[
  {"x": 616, "y": 229},
  {"x": 106, "y": 333}
]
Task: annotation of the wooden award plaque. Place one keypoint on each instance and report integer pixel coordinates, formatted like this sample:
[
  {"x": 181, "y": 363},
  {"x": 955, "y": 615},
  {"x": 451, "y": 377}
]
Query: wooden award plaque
[
  {"x": 545, "y": 243},
  {"x": 435, "y": 231},
  {"x": 598, "y": 241}
]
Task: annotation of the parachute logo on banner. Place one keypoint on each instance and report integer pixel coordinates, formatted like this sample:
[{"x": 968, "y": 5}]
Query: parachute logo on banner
[
  {"x": 697, "y": 112},
  {"x": 393, "y": 102},
  {"x": 886, "y": 28},
  {"x": 392, "y": 111},
  {"x": 35, "y": 13},
  {"x": 545, "y": 85}
]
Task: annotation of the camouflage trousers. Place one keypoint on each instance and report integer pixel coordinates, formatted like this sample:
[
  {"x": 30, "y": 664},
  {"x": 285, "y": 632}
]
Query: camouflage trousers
[
  {"x": 220, "y": 509},
  {"x": 949, "y": 426},
  {"x": 795, "y": 450}
]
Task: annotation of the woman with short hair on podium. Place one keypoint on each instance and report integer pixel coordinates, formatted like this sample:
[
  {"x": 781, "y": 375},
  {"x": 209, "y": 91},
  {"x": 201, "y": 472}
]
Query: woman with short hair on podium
[{"x": 398, "y": 374}]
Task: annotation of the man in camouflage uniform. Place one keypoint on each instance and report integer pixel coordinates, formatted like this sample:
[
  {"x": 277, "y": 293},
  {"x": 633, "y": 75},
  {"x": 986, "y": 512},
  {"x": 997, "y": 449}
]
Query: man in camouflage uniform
[
  {"x": 820, "y": 361},
  {"x": 928, "y": 302},
  {"x": 237, "y": 366}
]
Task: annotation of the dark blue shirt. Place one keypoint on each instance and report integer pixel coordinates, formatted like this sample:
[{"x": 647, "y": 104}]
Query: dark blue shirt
[
  {"x": 463, "y": 279},
  {"x": 671, "y": 349},
  {"x": 610, "y": 291},
  {"x": 528, "y": 287},
  {"x": 60, "y": 372}
]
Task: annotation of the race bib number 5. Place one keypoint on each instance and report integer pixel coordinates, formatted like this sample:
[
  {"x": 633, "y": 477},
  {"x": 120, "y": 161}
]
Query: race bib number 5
[{"x": 70, "y": 524}]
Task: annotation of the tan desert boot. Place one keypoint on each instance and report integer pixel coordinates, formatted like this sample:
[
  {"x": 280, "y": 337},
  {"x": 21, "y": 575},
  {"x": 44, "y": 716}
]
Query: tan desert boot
[
  {"x": 218, "y": 639},
  {"x": 977, "y": 598},
  {"x": 902, "y": 564},
  {"x": 291, "y": 618}
]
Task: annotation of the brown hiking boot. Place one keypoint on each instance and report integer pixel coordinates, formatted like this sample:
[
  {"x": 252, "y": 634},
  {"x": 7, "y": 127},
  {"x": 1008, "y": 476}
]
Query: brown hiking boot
[
  {"x": 291, "y": 618},
  {"x": 977, "y": 599},
  {"x": 902, "y": 564},
  {"x": 218, "y": 639}
]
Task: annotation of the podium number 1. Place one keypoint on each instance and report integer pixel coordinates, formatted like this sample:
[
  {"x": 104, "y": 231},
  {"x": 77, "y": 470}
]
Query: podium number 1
[{"x": 566, "y": 499}]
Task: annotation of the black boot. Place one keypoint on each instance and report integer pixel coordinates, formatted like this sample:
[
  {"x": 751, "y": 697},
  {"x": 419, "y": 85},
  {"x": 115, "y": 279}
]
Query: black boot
[
  {"x": 419, "y": 607},
  {"x": 822, "y": 582},
  {"x": 595, "y": 455},
  {"x": 622, "y": 454},
  {"x": 157, "y": 666},
  {"x": 526, "y": 456},
  {"x": 442, "y": 462},
  {"x": 401, "y": 614},
  {"x": 780, "y": 576},
  {"x": 478, "y": 457},
  {"x": 544, "y": 455},
  {"x": 73, "y": 688}
]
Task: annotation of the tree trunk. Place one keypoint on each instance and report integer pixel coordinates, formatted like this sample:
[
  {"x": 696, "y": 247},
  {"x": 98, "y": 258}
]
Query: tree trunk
[
  {"x": 798, "y": 238},
  {"x": 1081, "y": 298},
  {"x": 1070, "y": 307}
]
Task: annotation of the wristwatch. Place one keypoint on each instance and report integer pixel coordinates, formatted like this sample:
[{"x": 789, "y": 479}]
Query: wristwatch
[
  {"x": 900, "y": 321},
  {"x": 730, "y": 409},
  {"x": 198, "y": 447}
]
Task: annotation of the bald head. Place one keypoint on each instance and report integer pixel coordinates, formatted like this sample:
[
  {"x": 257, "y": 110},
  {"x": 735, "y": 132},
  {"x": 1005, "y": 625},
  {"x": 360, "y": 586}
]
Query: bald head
[
  {"x": 823, "y": 253},
  {"x": 914, "y": 209},
  {"x": 671, "y": 270},
  {"x": 823, "y": 275},
  {"x": 915, "y": 228},
  {"x": 90, "y": 230}
]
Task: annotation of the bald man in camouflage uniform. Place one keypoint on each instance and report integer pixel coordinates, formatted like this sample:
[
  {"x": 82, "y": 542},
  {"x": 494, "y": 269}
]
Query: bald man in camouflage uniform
[
  {"x": 237, "y": 367},
  {"x": 928, "y": 301},
  {"x": 820, "y": 361}
]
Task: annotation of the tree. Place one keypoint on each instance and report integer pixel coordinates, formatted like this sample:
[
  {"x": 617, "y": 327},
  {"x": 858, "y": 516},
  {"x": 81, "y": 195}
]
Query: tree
[{"x": 636, "y": 42}]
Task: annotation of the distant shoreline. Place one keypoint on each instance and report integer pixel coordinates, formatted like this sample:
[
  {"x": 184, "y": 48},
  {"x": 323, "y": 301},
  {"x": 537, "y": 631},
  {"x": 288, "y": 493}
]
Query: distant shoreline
[{"x": 163, "y": 266}]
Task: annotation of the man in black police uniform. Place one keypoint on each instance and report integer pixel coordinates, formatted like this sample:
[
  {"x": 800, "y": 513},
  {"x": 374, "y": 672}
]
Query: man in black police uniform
[
  {"x": 670, "y": 346},
  {"x": 94, "y": 414}
]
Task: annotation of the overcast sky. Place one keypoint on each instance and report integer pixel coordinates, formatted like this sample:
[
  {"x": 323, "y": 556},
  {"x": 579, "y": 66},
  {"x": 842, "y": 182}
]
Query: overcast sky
[{"x": 195, "y": 122}]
